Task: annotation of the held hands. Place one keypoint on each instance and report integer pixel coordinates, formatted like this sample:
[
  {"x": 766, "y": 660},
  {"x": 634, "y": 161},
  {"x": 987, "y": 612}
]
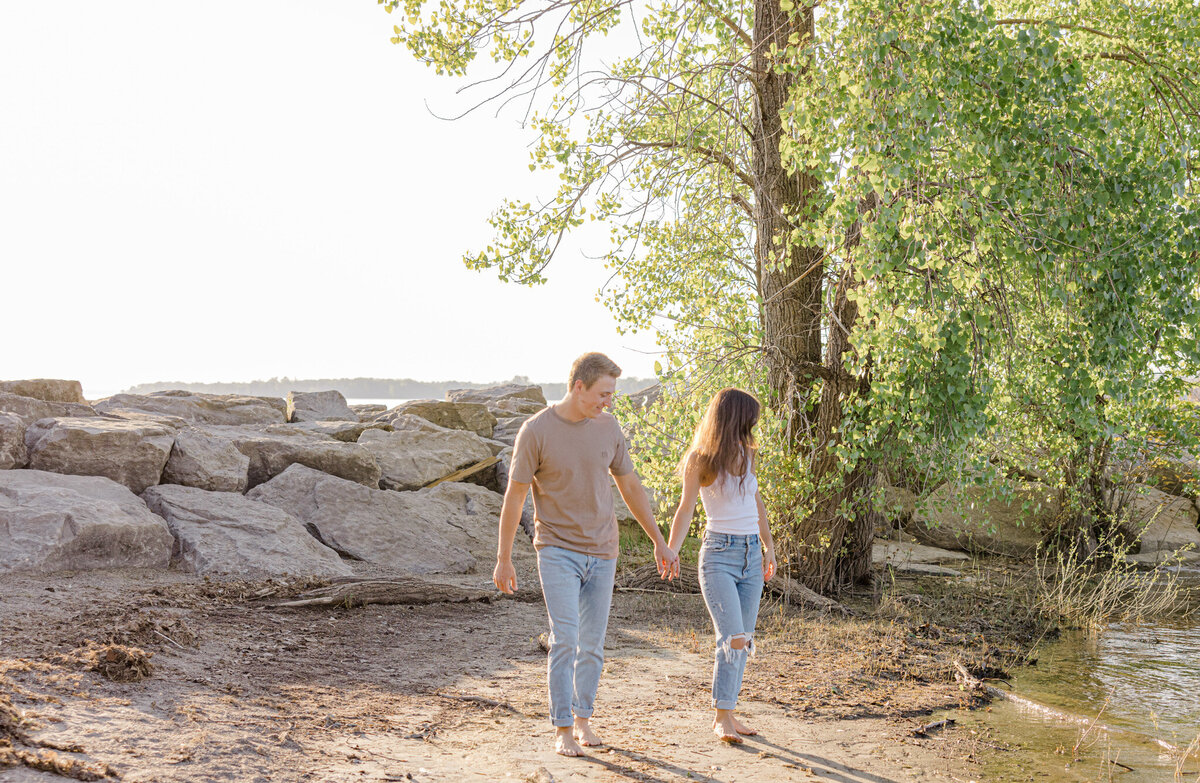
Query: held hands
[
  {"x": 667, "y": 561},
  {"x": 505, "y": 576},
  {"x": 769, "y": 564}
]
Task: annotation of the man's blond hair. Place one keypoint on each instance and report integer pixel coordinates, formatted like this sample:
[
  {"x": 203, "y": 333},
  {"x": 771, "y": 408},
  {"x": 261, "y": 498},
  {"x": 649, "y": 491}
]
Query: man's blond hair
[{"x": 590, "y": 367}]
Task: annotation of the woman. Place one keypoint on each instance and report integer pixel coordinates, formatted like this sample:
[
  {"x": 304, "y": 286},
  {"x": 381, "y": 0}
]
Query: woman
[{"x": 719, "y": 467}]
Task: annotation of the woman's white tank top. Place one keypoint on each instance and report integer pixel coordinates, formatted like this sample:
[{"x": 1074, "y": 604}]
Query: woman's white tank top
[{"x": 730, "y": 504}]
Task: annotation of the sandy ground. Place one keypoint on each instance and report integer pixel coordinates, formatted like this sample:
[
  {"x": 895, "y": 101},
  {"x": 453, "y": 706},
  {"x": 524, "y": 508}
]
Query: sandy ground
[{"x": 241, "y": 691}]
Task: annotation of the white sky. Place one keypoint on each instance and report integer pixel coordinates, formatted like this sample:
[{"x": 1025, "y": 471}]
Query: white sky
[{"x": 228, "y": 191}]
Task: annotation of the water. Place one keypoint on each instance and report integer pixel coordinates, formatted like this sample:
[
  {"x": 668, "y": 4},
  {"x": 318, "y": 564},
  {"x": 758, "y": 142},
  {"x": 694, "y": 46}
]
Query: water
[{"x": 1142, "y": 681}]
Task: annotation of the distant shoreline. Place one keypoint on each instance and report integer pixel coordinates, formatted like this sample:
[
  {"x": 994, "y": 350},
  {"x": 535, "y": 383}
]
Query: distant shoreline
[{"x": 365, "y": 388}]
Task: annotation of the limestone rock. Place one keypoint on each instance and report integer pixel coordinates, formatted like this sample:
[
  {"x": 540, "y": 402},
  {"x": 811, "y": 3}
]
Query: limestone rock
[
  {"x": 318, "y": 406},
  {"x": 899, "y": 553},
  {"x": 197, "y": 408},
  {"x": 46, "y": 389},
  {"x": 30, "y": 410},
  {"x": 224, "y": 533},
  {"x": 51, "y": 522},
  {"x": 967, "y": 519},
  {"x": 271, "y": 455},
  {"x": 410, "y": 459},
  {"x": 400, "y": 421},
  {"x": 471, "y": 416},
  {"x": 199, "y": 459},
  {"x": 1160, "y": 522},
  {"x": 345, "y": 431},
  {"x": 896, "y": 508},
  {"x": 506, "y": 429},
  {"x": 514, "y": 406},
  {"x": 1164, "y": 557},
  {"x": 1175, "y": 476},
  {"x": 493, "y": 394},
  {"x": 130, "y": 453},
  {"x": 13, "y": 453},
  {"x": 447, "y": 528},
  {"x": 368, "y": 411}
]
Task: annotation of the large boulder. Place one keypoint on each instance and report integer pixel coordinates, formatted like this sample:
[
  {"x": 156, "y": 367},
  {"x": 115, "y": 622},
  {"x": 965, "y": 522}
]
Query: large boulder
[
  {"x": 1160, "y": 522},
  {"x": 29, "y": 409},
  {"x": 447, "y": 528},
  {"x": 367, "y": 411},
  {"x": 345, "y": 431},
  {"x": 410, "y": 459},
  {"x": 319, "y": 406},
  {"x": 128, "y": 452},
  {"x": 495, "y": 394},
  {"x": 51, "y": 522},
  {"x": 971, "y": 519},
  {"x": 472, "y": 416},
  {"x": 1173, "y": 475},
  {"x": 46, "y": 389},
  {"x": 270, "y": 455},
  {"x": 13, "y": 453},
  {"x": 202, "y": 460},
  {"x": 197, "y": 408},
  {"x": 224, "y": 533},
  {"x": 507, "y": 429}
]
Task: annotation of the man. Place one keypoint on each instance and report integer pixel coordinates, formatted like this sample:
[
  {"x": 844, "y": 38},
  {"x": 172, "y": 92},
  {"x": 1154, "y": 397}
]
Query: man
[{"x": 566, "y": 453}]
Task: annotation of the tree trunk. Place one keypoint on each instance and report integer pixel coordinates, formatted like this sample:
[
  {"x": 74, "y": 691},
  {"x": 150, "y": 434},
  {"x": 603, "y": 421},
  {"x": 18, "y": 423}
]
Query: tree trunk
[
  {"x": 790, "y": 276},
  {"x": 832, "y": 545},
  {"x": 834, "y": 542}
]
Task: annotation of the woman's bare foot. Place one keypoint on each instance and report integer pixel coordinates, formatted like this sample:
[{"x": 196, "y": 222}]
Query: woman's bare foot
[
  {"x": 725, "y": 727},
  {"x": 565, "y": 744},
  {"x": 742, "y": 728},
  {"x": 583, "y": 732}
]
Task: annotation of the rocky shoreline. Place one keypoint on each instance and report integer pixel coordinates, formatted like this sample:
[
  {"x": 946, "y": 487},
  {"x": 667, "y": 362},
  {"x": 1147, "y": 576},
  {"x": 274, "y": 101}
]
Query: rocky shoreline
[{"x": 251, "y": 486}]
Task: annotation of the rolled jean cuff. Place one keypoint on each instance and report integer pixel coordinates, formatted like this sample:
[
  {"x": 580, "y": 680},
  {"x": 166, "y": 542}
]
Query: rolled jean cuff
[
  {"x": 558, "y": 724},
  {"x": 724, "y": 704}
]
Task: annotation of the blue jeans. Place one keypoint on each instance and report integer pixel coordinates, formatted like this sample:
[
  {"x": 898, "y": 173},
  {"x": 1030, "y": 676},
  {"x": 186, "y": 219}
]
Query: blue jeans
[
  {"x": 731, "y": 580},
  {"x": 578, "y": 590}
]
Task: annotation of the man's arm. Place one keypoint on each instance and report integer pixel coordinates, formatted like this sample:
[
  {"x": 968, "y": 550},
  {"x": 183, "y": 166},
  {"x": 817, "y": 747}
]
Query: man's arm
[
  {"x": 634, "y": 495},
  {"x": 505, "y": 576}
]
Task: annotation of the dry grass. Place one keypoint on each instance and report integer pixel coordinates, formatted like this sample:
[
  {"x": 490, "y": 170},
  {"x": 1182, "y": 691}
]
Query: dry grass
[{"x": 893, "y": 657}]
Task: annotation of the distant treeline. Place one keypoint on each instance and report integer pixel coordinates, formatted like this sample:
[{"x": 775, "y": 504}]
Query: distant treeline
[{"x": 366, "y": 388}]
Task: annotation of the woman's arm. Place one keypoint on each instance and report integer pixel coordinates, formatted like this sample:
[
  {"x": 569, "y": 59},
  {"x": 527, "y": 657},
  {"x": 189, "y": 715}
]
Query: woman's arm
[
  {"x": 687, "y": 505},
  {"x": 764, "y": 533}
]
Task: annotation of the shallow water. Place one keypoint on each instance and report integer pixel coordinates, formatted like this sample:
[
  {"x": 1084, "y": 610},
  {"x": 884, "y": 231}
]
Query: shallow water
[{"x": 1143, "y": 681}]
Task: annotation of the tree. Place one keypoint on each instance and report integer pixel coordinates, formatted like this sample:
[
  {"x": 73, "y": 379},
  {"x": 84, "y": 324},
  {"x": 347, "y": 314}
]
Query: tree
[{"x": 900, "y": 221}]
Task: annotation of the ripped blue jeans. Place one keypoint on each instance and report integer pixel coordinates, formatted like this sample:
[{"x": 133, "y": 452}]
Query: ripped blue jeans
[{"x": 731, "y": 580}]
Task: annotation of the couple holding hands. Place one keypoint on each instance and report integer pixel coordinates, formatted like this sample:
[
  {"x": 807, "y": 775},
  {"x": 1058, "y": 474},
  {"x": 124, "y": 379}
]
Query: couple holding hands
[{"x": 565, "y": 453}]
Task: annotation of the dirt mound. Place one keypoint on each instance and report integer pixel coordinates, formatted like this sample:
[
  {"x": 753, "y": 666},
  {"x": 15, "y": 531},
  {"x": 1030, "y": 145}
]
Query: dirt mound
[{"x": 117, "y": 662}]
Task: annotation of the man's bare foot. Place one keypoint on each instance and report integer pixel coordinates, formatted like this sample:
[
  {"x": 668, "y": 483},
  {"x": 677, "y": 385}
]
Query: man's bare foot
[
  {"x": 565, "y": 744},
  {"x": 583, "y": 732},
  {"x": 742, "y": 728},
  {"x": 725, "y": 731}
]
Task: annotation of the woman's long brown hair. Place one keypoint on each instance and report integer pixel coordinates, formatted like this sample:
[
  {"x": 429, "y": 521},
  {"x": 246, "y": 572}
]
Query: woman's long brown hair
[{"x": 724, "y": 437}]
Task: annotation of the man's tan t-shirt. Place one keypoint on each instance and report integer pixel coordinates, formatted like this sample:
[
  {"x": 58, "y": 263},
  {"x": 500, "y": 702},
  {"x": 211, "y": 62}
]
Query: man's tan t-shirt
[{"x": 568, "y": 464}]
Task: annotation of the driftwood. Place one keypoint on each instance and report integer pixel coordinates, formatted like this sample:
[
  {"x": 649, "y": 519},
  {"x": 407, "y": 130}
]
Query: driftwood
[
  {"x": 937, "y": 725},
  {"x": 467, "y": 472},
  {"x": 402, "y": 590},
  {"x": 645, "y": 579}
]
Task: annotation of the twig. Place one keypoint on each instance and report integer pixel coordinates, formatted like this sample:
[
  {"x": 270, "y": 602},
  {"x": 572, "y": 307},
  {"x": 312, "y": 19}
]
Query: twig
[
  {"x": 503, "y": 705},
  {"x": 168, "y": 638}
]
